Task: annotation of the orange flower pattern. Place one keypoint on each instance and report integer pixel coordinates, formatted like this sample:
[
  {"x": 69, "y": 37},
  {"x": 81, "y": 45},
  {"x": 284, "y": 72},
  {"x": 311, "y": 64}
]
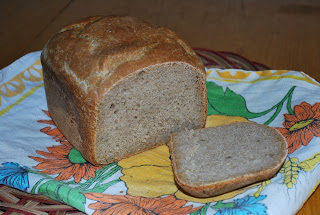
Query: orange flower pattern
[
  {"x": 126, "y": 204},
  {"x": 63, "y": 159},
  {"x": 302, "y": 126}
]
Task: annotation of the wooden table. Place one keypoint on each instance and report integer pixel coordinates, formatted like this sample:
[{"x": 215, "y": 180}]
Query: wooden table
[{"x": 281, "y": 34}]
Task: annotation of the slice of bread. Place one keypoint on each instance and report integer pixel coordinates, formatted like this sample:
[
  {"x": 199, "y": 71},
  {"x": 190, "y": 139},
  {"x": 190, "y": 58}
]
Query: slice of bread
[{"x": 212, "y": 161}]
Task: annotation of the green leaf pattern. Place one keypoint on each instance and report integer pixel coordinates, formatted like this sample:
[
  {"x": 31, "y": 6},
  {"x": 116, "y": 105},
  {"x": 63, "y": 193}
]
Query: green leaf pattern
[
  {"x": 70, "y": 192},
  {"x": 229, "y": 103}
]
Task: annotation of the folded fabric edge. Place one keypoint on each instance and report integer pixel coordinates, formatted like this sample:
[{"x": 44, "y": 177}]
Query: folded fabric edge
[{"x": 21, "y": 61}]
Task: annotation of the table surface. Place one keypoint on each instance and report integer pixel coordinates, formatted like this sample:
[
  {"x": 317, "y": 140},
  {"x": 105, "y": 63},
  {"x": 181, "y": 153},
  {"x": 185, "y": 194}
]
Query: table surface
[{"x": 280, "y": 34}]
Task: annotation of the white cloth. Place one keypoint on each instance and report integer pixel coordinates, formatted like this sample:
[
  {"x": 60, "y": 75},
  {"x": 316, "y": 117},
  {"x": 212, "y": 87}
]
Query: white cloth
[{"x": 35, "y": 157}]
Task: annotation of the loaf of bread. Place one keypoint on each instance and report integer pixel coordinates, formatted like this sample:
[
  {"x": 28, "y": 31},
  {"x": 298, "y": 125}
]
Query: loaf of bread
[
  {"x": 212, "y": 161},
  {"x": 117, "y": 86}
]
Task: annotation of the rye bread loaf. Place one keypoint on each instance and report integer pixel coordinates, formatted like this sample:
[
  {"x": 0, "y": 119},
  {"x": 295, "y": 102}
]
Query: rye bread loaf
[
  {"x": 212, "y": 161},
  {"x": 116, "y": 86}
]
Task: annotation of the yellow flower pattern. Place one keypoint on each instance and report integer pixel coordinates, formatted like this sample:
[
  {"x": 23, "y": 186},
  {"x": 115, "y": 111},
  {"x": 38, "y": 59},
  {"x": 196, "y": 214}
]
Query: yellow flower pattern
[
  {"x": 16, "y": 85},
  {"x": 242, "y": 76},
  {"x": 238, "y": 74},
  {"x": 292, "y": 167},
  {"x": 149, "y": 173},
  {"x": 268, "y": 73}
]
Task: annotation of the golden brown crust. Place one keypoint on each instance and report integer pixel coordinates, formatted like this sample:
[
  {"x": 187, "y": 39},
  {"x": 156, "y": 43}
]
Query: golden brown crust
[
  {"x": 220, "y": 187},
  {"x": 92, "y": 55}
]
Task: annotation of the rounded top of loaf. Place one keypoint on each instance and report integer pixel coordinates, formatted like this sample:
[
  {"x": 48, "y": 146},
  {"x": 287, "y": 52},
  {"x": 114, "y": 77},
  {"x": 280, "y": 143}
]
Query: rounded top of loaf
[{"x": 95, "y": 53}]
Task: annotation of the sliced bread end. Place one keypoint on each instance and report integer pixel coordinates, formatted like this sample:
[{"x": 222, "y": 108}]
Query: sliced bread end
[{"x": 212, "y": 161}]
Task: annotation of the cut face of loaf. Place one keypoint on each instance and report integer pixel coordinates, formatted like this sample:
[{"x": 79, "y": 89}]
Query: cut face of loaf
[
  {"x": 143, "y": 111},
  {"x": 117, "y": 86},
  {"x": 212, "y": 161}
]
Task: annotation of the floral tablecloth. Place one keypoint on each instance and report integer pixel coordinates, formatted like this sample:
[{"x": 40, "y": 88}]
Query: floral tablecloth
[{"x": 36, "y": 158}]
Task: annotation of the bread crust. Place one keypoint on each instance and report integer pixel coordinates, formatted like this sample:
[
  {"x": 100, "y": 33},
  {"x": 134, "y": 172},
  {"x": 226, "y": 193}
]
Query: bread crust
[
  {"x": 93, "y": 55},
  {"x": 224, "y": 186}
]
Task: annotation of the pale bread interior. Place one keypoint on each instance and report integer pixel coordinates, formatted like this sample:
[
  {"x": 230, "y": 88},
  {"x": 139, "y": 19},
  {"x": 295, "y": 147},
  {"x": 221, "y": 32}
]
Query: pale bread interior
[
  {"x": 144, "y": 109},
  {"x": 209, "y": 156}
]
